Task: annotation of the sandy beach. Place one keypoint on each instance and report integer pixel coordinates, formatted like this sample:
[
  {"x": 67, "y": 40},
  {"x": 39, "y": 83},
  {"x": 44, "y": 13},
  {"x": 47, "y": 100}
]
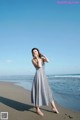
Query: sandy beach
[{"x": 16, "y": 101}]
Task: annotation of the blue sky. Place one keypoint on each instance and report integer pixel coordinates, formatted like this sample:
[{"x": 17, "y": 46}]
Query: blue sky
[{"x": 51, "y": 27}]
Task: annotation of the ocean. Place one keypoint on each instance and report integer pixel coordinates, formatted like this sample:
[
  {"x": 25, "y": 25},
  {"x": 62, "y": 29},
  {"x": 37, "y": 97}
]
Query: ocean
[{"x": 65, "y": 88}]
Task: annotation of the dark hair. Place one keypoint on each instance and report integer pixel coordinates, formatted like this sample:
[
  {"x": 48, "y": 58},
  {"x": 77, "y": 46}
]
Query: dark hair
[{"x": 40, "y": 55}]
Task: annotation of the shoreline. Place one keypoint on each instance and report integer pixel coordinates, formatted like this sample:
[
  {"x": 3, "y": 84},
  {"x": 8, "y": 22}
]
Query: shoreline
[
  {"x": 68, "y": 101},
  {"x": 16, "y": 101}
]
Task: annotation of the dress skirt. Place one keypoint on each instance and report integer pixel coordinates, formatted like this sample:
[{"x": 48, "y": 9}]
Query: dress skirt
[{"x": 41, "y": 93}]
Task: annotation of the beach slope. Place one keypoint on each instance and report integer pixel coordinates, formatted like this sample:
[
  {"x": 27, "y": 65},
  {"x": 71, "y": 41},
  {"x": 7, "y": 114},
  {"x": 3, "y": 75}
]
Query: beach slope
[{"x": 16, "y": 101}]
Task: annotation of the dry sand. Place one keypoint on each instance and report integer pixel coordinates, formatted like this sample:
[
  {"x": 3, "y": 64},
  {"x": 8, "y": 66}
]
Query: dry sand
[{"x": 16, "y": 101}]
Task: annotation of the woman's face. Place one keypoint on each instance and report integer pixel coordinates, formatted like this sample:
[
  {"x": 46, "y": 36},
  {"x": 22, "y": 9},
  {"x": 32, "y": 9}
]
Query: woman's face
[{"x": 35, "y": 53}]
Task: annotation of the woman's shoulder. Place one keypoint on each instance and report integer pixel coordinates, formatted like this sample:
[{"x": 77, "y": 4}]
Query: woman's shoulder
[{"x": 34, "y": 60}]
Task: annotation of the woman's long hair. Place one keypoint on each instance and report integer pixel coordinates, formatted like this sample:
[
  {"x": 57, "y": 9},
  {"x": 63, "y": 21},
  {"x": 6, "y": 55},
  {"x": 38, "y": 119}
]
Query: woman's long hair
[{"x": 40, "y": 55}]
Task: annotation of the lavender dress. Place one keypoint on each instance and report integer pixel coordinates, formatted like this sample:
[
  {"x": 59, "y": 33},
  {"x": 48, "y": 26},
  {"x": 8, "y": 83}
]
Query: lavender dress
[{"x": 41, "y": 93}]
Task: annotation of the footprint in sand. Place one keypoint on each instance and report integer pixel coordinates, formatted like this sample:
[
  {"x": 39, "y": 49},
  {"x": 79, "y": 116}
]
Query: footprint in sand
[{"x": 69, "y": 116}]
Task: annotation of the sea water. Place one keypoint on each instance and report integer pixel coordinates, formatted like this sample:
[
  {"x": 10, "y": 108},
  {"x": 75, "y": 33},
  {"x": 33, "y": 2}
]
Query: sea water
[{"x": 65, "y": 88}]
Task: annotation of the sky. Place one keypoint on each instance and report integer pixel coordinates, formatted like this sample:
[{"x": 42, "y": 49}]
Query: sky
[{"x": 52, "y": 28}]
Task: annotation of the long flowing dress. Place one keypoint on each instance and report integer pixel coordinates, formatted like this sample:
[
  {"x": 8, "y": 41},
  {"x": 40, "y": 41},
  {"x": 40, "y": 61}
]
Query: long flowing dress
[{"x": 41, "y": 93}]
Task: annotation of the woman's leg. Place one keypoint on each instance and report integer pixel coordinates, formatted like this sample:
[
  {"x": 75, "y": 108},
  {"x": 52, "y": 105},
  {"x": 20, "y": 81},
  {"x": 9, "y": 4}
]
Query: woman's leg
[
  {"x": 54, "y": 107},
  {"x": 38, "y": 111}
]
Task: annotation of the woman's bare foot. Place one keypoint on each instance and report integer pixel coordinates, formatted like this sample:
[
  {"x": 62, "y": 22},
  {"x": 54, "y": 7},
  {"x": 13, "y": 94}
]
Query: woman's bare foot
[
  {"x": 55, "y": 110},
  {"x": 38, "y": 111}
]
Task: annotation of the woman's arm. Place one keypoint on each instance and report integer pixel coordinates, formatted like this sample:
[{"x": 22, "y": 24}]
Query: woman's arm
[
  {"x": 36, "y": 63},
  {"x": 45, "y": 59}
]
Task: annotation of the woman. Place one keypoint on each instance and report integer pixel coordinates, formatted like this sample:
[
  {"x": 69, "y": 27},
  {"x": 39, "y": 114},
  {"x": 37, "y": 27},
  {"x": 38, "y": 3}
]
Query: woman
[{"x": 41, "y": 93}]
